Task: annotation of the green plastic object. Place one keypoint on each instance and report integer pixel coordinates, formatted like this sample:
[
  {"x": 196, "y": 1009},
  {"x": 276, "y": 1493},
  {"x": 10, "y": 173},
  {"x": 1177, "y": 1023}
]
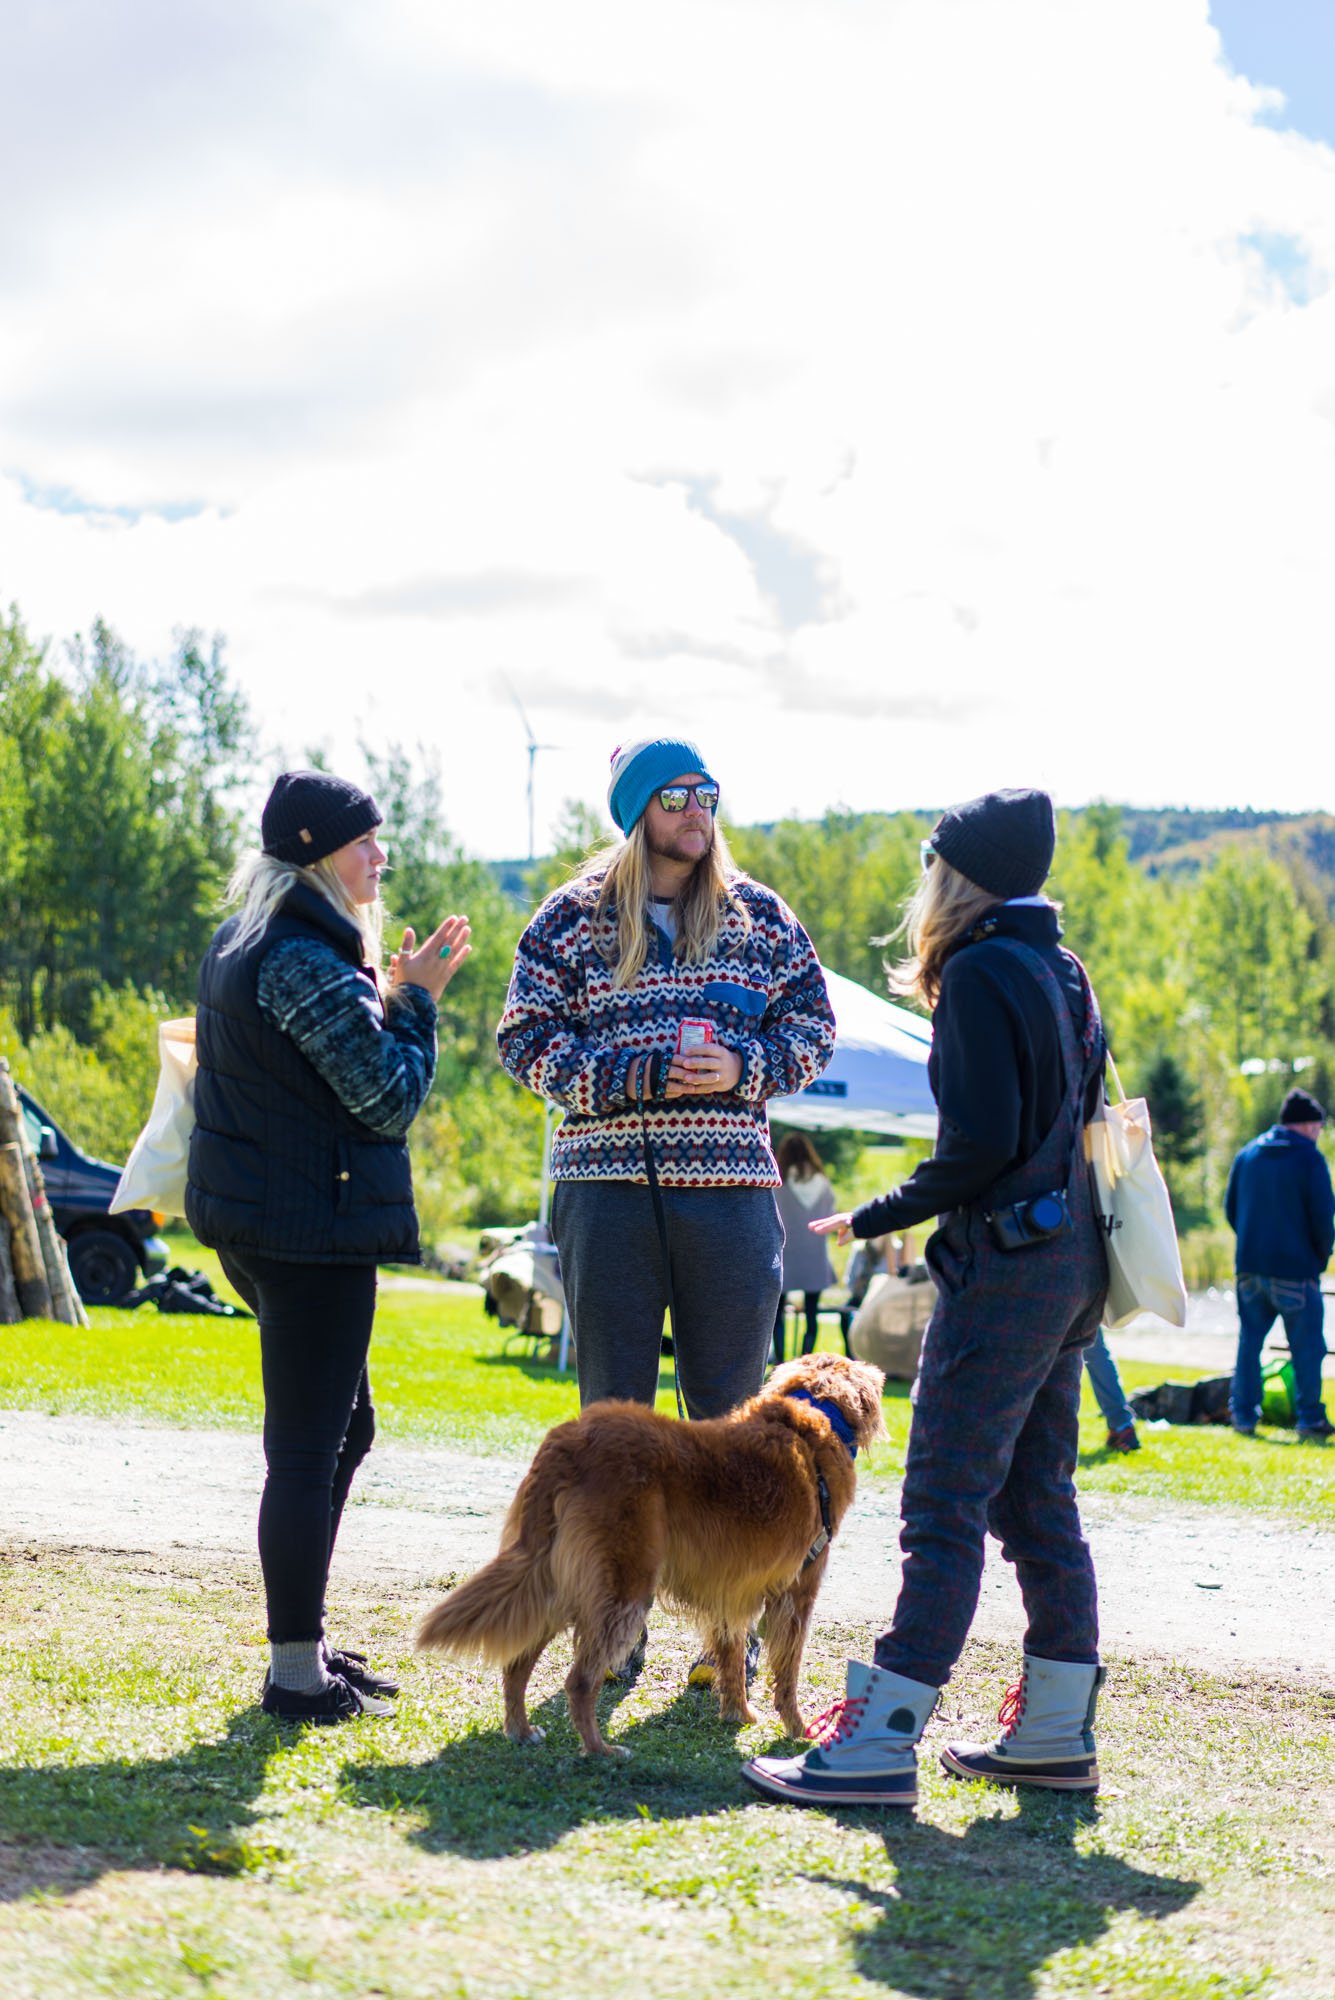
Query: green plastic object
[{"x": 1279, "y": 1398}]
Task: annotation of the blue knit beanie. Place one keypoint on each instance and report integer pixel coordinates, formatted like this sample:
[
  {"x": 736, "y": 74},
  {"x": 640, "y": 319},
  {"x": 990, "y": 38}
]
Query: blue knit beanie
[{"x": 641, "y": 769}]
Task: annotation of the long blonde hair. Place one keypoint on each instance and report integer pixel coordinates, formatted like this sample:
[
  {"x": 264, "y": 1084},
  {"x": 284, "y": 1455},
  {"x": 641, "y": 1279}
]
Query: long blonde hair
[
  {"x": 261, "y": 884},
  {"x": 943, "y": 908},
  {"x": 622, "y": 926}
]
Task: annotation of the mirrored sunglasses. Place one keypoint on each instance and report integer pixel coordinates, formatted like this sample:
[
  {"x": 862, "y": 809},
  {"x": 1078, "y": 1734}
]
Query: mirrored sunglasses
[
  {"x": 673, "y": 798},
  {"x": 926, "y": 854}
]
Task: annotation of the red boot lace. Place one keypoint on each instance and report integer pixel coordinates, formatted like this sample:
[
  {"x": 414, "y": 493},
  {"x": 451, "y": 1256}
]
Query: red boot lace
[
  {"x": 1011, "y": 1713},
  {"x": 836, "y": 1723}
]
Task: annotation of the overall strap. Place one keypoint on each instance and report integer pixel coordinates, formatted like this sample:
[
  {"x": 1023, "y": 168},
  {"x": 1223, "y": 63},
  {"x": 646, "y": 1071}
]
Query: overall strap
[{"x": 1080, "y": 1054}]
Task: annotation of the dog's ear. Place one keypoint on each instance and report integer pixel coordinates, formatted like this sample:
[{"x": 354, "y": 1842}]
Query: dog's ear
[{"x": 856, "y": 1386}]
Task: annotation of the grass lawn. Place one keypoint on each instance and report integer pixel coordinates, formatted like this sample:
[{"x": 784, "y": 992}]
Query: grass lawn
[
  {"x": 159, "y": 1836},
  {"x": 441, "y": 1377}
]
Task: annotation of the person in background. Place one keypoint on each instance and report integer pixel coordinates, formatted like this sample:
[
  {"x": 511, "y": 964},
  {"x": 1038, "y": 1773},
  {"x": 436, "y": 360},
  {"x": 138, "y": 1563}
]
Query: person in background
[
  {"x": 1280, "y": 1205},
  {"x": 806, "y": 1196},
  {"x": 312, "y": 1066},
  {"x": 1110, "y": 1396},
  {"x": 1021, "y": 1271}
]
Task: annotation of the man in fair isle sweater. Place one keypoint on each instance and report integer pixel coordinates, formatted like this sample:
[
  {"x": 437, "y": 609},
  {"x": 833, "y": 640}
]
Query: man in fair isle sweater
[{"x": 665, "y": 930}]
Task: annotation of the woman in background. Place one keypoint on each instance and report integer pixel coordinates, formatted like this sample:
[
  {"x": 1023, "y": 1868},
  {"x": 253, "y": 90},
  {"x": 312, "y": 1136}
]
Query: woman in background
[
  {"x": 312, "y": 1066},
  {"x": 805, "y": 1197}
]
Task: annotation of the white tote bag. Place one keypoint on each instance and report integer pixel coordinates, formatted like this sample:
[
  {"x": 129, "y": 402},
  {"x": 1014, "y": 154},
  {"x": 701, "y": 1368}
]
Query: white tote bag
[
  {"x": 1136, "y": 1212},
  {"x": 154, "y": 1175}
]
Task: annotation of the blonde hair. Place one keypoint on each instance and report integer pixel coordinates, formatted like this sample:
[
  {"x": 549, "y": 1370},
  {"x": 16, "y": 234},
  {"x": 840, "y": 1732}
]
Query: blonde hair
[
  {"x": 621, "y": 924},
  {"x": 942, "y": 910},
  {"x": 261, "y": 884}
]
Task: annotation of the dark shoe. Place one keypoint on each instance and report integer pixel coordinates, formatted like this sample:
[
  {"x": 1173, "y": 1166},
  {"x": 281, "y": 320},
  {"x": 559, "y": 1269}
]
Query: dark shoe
[
  {"x": 352, "y": 1668},
  {"x": 1243, "y": 1430},
  {"x": 629, "y": 1669},
  {"x": 339, "y": 1702},
  {"x": 702, "y": 1671},
  {"x": 1316, "y": 1433},
  {"x": 1123, "y": 1440}
]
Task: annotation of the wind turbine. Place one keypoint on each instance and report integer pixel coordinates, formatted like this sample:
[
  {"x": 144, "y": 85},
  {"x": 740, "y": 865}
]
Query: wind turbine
[{"x": 533, "y": 748}]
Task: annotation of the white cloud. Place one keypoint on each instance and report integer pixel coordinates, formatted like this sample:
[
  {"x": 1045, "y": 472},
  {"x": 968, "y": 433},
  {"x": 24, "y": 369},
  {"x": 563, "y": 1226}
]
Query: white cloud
[{"x": 502, "y": 347}]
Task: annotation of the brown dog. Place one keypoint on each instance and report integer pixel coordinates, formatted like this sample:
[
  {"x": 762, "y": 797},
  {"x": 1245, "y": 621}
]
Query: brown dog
[{"x": 724, "y": 1518}]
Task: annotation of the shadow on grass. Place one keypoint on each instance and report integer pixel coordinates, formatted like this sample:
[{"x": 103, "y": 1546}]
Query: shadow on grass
[
  {"x": 63, "y": 1827},
  {"x": 485, "y": 1797},
  {"x": 982, "y": 1913}
]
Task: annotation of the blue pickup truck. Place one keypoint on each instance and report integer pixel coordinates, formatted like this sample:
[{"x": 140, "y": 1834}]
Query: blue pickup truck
[{"x": 107, "y": 1252}]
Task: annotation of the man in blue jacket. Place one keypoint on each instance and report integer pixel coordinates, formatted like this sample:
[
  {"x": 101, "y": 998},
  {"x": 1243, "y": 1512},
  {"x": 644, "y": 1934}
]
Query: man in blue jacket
[{"x": 1281, "y": 1207}]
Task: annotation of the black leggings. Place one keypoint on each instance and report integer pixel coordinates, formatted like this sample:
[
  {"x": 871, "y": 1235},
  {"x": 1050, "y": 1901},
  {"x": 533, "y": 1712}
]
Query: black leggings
[
  {"x": 811, "y": 1307},
  {"x": 315, "y": 1331}
]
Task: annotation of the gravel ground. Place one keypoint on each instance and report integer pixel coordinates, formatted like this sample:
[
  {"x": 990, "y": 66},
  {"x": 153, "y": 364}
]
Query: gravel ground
[{"x": 1203, "y": 1587}]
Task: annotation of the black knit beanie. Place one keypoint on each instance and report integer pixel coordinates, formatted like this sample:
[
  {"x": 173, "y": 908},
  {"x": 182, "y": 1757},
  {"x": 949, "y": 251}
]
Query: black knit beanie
[
  {"x": 1004, "y": 841},
  {"x": 1301, "y": 1108},
  {"x": 309, "y": 814}
]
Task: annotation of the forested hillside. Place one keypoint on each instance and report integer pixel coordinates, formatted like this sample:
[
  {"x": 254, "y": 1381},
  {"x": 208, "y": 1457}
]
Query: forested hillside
[{"x": 127, "y": 792}]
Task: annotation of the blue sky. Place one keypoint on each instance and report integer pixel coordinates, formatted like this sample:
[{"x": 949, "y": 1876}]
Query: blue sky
[{"x": 1290, "y": 45}]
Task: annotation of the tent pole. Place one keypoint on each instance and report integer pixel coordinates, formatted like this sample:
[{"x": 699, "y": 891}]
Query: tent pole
[{"x": 545, "y": 1185}]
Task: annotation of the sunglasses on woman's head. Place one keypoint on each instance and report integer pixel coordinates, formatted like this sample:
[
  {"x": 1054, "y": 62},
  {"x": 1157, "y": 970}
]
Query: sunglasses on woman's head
[{"x": 673, "y": 798}]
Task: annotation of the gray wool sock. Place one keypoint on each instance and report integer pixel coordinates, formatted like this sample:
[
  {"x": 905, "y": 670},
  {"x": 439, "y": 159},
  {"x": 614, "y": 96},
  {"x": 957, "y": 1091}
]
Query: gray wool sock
[{"x": 298, "y": 1665}]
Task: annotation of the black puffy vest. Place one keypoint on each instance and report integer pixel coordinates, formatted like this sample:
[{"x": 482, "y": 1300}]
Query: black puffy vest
[{"x": 278, "y": 1164}]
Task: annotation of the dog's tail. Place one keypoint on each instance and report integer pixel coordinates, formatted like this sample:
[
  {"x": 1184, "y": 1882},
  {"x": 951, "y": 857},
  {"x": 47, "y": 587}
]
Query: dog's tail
[{"x": 506, "y": 1608}]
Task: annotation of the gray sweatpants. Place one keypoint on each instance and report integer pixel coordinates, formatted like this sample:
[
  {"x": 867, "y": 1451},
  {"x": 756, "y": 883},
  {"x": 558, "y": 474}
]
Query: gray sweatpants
[{"x": 727, "y": 1247}]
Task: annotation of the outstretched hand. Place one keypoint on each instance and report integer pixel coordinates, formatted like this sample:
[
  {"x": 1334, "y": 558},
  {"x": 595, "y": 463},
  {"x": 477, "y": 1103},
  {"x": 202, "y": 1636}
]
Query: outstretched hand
[
  {"x": 433, "y": 964},
  {"x": 829, "y": 1224}
]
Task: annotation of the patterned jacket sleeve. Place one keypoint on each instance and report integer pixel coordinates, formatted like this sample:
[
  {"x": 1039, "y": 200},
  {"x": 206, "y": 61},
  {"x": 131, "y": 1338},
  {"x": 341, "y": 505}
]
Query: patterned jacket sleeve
[
  {"x": 796, "y": 1038},
  {"x": 543, "y": 1036},
  {"x": 381, "y": 1071}
]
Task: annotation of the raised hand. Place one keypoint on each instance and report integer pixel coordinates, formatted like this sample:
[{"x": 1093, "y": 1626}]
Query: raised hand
[{"x": 433, "y": 964}]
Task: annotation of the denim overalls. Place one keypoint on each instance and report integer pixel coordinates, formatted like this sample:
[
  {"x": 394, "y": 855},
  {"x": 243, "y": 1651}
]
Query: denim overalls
[{"x": 994, "y": 1437}]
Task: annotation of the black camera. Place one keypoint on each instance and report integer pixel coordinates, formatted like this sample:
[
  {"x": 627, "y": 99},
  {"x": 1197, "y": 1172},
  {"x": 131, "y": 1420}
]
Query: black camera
[{"x": 1038, "y": 1220}]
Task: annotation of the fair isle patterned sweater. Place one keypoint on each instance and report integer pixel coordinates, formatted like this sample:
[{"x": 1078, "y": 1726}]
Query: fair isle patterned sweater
[{"x": 570, "y": 1036}]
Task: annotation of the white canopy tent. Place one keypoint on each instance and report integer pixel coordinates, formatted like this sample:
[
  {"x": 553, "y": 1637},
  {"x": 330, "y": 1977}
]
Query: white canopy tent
[{"x": 877, "y": 1078}]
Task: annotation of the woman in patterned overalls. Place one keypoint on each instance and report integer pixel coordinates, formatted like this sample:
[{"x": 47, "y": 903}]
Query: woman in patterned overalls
[{"x": 1021, "y": 1274}]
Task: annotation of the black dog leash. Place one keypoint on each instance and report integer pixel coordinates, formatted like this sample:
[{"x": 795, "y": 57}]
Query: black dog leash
[{"x": 653, "y": 1069}]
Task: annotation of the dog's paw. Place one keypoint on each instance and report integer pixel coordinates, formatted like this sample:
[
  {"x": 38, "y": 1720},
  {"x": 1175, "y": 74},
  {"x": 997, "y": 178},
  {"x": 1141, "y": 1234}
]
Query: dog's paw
[
  {"x": 743, "y": 1712},
  {"x": 791, "y": 1718},
  {"x": 606, "y": 1750},
  {"x": 530, "y": 1733}
]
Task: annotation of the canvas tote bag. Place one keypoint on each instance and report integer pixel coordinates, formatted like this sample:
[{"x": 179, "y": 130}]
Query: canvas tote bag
[
  {"x": 154, "y": 1175},
  {"x": 1136, "y": 1213}
]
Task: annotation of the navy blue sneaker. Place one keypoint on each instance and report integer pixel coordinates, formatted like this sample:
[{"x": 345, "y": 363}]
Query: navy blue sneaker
[
  {"x": 629, "y": 1669},
  {"x": 702, "y": 1671}
]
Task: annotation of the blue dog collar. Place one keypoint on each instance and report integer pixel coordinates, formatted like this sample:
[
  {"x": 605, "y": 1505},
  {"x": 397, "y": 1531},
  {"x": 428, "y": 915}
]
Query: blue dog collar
[{"x": 832, "y": 1414}]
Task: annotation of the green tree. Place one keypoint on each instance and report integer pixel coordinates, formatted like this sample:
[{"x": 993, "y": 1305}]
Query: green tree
[{"x": 846, "y": 878}]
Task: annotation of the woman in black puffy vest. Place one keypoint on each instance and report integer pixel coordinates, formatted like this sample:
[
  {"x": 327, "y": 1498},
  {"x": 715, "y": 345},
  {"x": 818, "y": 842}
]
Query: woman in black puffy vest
[{"x": 312, "y": 1066}]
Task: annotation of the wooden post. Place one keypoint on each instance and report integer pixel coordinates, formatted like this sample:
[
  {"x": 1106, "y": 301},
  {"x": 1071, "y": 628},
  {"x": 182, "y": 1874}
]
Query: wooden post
[
  {"x": 63, "y": 1301},
  {"x": 10, "y": 1309},
  {"x": 66, "y": 1305},
  {"x": 25, "y": 1245}
]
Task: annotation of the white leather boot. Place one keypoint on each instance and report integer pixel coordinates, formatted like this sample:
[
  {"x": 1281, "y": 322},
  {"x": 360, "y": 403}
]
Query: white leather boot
[
  {"x": 865, "y": 1754},
  {"x": 1048, "y": 1738}
]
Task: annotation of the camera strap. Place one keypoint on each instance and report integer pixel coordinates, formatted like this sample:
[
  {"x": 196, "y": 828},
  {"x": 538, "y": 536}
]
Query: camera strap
[{"x": 660, "y": 1217}]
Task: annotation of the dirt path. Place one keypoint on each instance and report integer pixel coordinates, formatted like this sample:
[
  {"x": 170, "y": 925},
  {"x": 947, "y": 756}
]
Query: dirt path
[{"x": 1207, "y": 1588}]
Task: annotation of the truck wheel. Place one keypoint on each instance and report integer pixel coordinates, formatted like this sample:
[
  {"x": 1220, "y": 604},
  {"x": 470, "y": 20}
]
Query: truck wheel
[{"x": 103, "y": 1267}]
